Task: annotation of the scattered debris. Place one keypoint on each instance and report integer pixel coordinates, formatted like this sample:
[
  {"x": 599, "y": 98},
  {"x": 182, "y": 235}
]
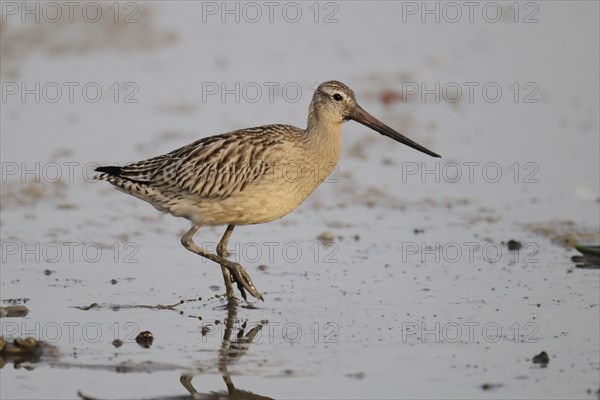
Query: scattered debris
[
  {"x": 513, "y": 245},
  {"x": 358, "y": 375},
  {"x": 66, "y": 206},
  {"x": 84, "y": 397},
  {"x": 145, "y": 339},
  {"x": 13, "y": 311},
  {"x": 24, "y": 350},
  {"x": 22, "y": 300},
  {"x": 86, "y": 308},
  {"x": 490, "y": 386},
  {"x": 590, "y": 258},
  {"x": 565, "y": 233},
  {"x": 326, "y": 237},
  {"x": 541, "y": 359}
]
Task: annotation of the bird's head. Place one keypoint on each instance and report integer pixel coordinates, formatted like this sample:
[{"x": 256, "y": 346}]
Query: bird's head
[{"x": 334, "y": 103}]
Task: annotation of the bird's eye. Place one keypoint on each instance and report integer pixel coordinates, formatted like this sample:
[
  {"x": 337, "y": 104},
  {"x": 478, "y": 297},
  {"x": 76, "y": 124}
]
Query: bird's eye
[{"x": 337, "y": 97}]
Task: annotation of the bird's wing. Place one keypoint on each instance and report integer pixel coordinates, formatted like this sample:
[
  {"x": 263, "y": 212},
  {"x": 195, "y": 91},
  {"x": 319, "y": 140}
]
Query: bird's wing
[{"x": 214, "y": 167}]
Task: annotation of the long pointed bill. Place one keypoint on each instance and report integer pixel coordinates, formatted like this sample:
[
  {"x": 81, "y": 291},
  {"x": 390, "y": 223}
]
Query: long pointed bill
[{"x": 367, "y": 119}]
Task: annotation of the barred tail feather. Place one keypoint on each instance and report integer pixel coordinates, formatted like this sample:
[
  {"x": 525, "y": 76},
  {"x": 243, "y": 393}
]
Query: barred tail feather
[{"x": 135, "y": 188}]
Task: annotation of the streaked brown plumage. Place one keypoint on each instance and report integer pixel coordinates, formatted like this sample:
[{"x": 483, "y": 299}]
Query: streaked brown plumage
[{"x": 249, "y": 176}]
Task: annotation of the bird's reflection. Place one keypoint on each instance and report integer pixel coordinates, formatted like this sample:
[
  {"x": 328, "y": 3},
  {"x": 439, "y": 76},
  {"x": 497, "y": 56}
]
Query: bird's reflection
[{"x": 232, "y": 349}]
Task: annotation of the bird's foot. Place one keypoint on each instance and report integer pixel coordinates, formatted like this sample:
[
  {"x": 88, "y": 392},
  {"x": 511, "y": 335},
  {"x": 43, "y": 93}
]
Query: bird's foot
[{"x": 244, "y": 282}]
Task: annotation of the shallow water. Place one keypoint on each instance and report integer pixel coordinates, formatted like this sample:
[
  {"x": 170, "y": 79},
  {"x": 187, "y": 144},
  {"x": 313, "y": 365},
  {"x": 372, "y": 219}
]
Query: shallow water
[{"x": 417, "y": 296}]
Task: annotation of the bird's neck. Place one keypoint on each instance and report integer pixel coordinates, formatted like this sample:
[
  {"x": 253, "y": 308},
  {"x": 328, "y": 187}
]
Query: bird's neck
[
  {"x": 319, "y": 121},
  {"x": 324, "y": 137}
]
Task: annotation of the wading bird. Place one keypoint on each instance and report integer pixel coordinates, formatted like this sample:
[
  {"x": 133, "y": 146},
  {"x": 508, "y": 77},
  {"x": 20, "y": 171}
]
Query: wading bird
[{"x": 249, "y": 176}]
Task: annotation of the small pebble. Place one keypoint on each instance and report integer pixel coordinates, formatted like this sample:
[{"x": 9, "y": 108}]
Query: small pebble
[
  {"x": 543, "y": 359},
  {"x": 145, "y": 339},
  {"x": 513, "y": 245}
]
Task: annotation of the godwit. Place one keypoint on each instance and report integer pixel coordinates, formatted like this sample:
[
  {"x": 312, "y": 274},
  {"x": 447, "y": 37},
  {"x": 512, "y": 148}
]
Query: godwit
[{"x": 249, "y": 176}]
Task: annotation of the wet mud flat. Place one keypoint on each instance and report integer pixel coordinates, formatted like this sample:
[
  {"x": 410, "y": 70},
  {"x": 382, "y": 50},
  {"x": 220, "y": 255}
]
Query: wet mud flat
[{"x": 345, "y": 305}]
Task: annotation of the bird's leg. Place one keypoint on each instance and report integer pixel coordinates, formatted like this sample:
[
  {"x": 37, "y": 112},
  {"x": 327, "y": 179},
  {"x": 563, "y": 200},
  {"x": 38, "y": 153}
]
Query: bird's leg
[
  {"x": 236, "y": 270},
  {"x": 222, "y": 252},
  {"x": 186, "y": 381}
]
